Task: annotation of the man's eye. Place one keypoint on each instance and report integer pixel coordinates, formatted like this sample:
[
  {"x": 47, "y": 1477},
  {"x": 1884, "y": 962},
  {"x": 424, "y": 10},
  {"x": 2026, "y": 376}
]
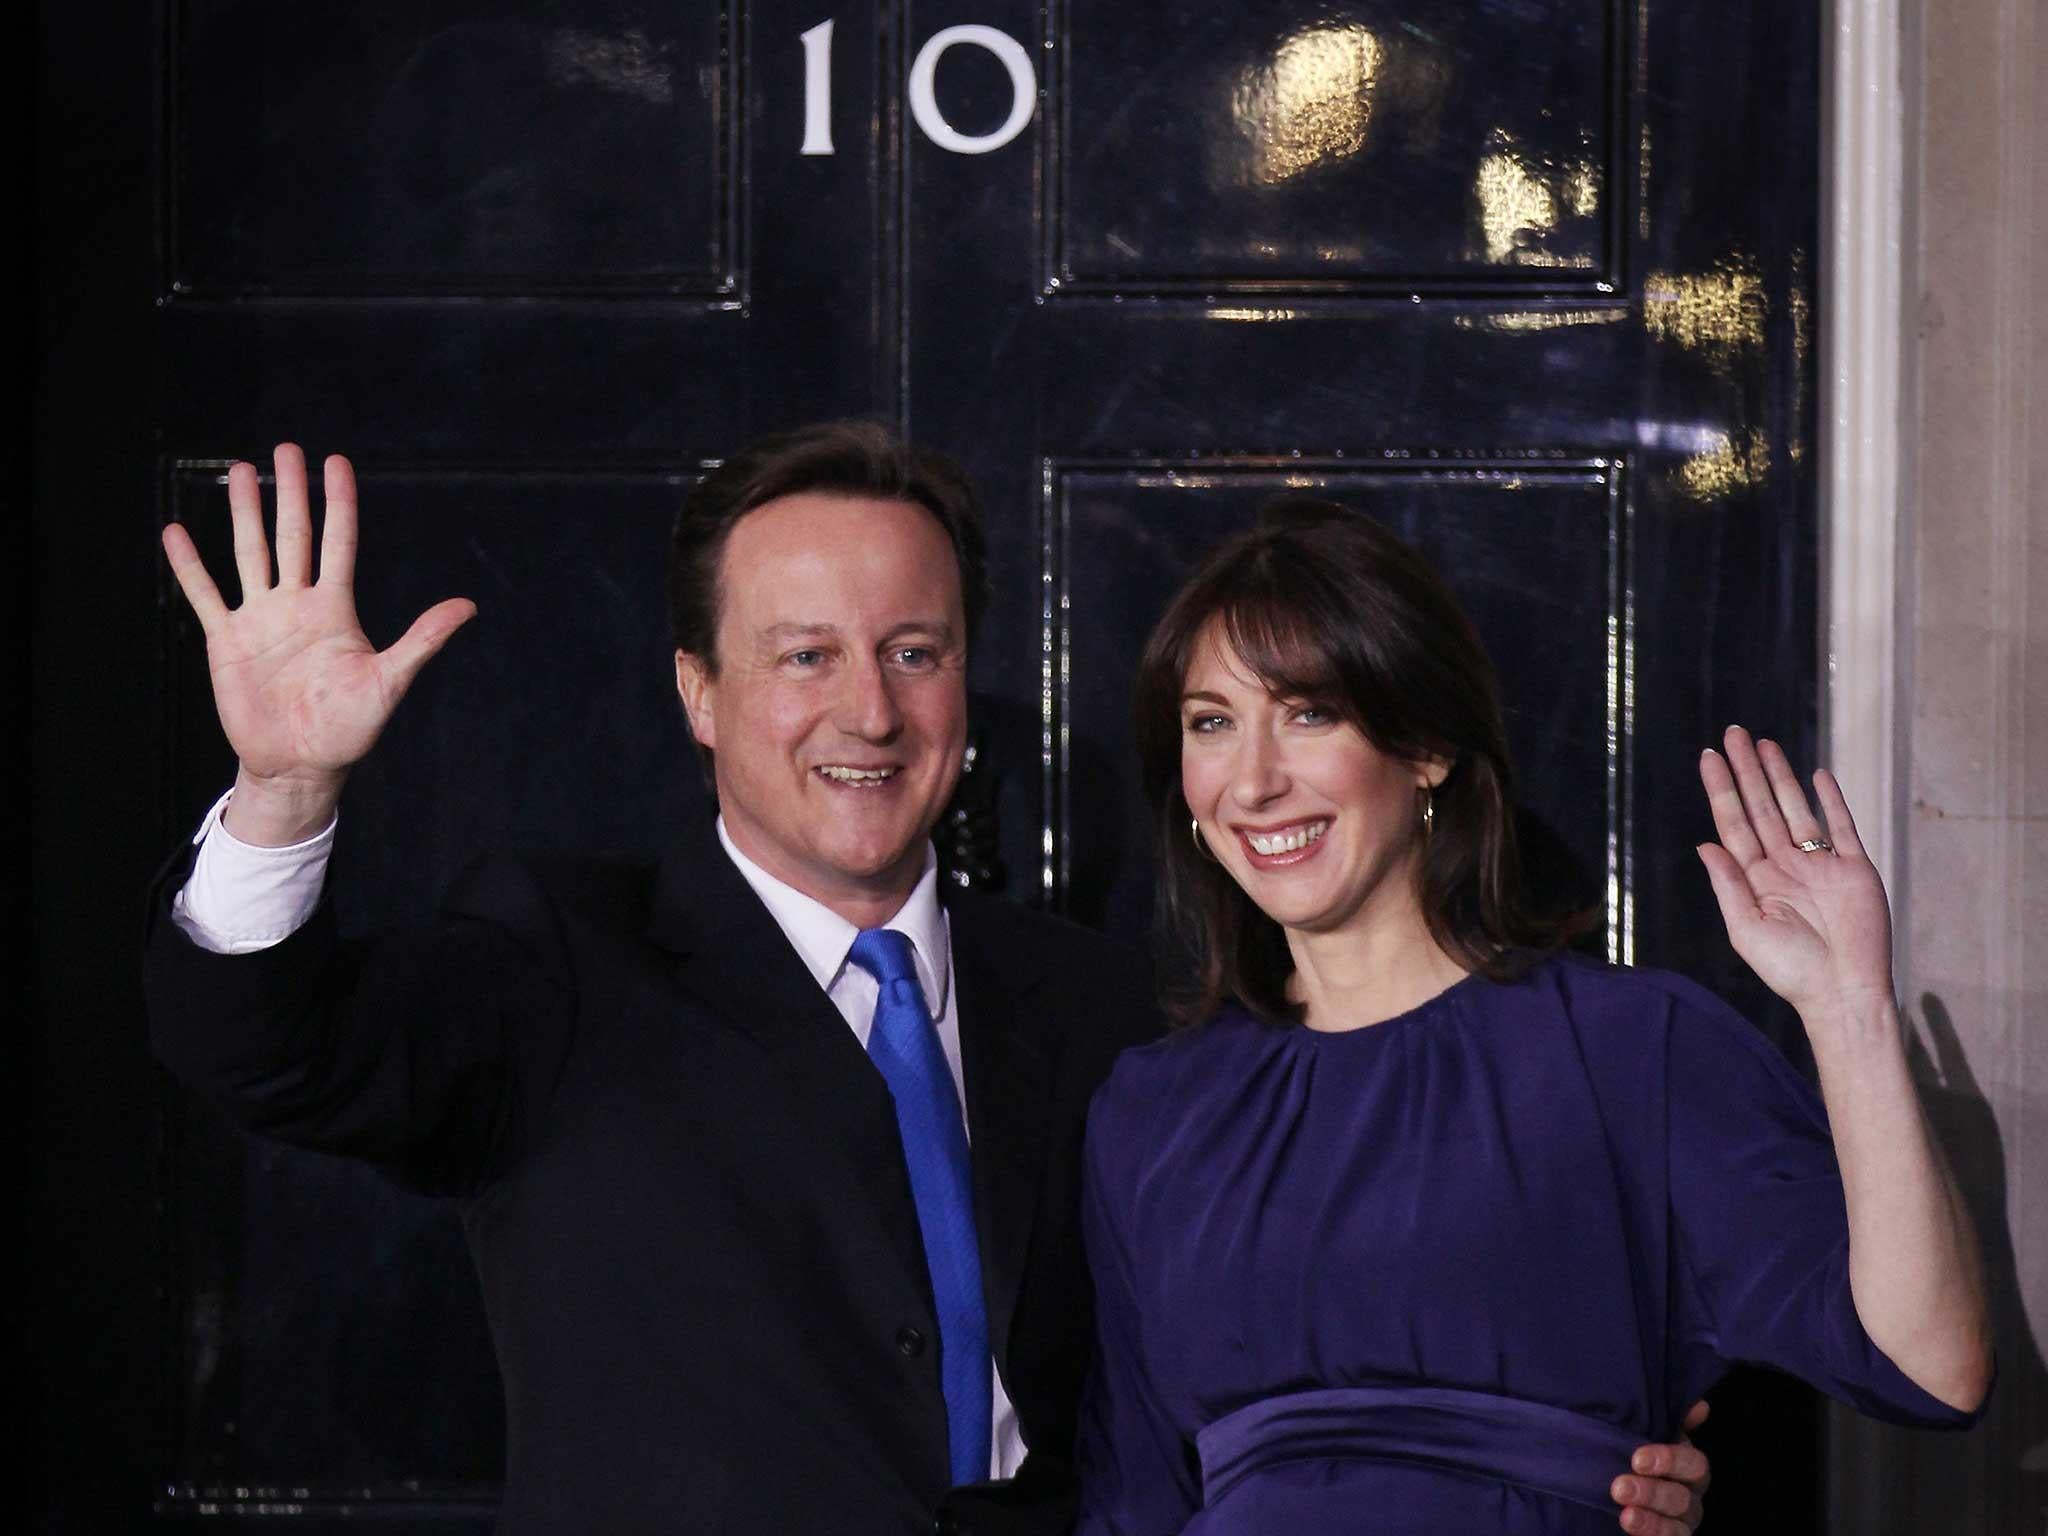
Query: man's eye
[
  {"x": 806, "y": 658},
  {"x": 915, "y": 656}
]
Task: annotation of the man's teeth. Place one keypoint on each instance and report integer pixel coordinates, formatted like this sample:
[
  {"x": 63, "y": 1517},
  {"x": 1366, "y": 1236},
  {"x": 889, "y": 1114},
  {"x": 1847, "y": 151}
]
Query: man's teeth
[
  {"x": 858, "y": 775},
  {"x": 1288, "y": 841}
]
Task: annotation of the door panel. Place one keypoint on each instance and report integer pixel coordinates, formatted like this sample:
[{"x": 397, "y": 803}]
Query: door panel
[{"x": 344, "y": 150}]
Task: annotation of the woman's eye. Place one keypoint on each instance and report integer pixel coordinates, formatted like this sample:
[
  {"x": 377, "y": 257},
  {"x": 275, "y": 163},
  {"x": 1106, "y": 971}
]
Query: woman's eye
[
  {"x": 1206, "y": 725},
  {"x": 1314, "y": 714}
]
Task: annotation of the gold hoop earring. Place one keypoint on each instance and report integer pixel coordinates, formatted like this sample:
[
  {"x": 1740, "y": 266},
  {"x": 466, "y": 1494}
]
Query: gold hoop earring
[{"x": 1202, "y": 848}]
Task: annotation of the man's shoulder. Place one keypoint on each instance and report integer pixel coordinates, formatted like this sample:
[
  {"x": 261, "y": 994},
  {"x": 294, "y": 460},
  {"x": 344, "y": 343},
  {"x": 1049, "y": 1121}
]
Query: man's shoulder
[
  {"x": 1031, "y": 949},
  {"x": 604, "y": 891},
  {"x": 1048, "y": 941},
  {"x": 1000, "y": 913}
]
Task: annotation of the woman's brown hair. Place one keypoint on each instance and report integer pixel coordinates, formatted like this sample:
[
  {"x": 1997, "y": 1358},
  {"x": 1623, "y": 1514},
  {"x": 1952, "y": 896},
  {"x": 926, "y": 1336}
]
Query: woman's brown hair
[{"x": 1323, "y": 604}]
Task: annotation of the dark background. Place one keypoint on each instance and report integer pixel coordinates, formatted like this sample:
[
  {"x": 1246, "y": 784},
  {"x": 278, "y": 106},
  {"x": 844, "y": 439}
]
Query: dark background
[{"x": 1531, "y": 281}]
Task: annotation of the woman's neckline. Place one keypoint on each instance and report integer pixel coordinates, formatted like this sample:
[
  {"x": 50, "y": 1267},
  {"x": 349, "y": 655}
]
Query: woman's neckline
[{"x": 1429, "y": 1005}]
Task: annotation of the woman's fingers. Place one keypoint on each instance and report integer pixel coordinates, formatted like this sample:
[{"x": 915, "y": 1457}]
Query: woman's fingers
[
  {"x": 338, "y": 527},
  {"x": 1731, "y": 892},
  {"x": 193, "y": 579},
  {"x": 1724, "y": 800},
  {"x": 1786, "y": 793},
  {"x": 252, "y": 550},
  {"x": 1841, "y": 825},
  {"x": 1758, "y": 801},
  {"x": 294, "y": 517}
]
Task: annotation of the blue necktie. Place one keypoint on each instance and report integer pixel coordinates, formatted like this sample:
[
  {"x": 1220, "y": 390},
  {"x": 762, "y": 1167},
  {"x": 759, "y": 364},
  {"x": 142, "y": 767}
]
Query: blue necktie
[{"x": 904, "y": 1046}]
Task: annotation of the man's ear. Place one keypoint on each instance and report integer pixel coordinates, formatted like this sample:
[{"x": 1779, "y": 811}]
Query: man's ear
[{"x": 694, "y": 686}]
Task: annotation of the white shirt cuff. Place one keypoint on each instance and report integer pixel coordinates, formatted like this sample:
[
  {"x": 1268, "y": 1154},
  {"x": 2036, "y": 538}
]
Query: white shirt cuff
[{"x": 241, "y": 898}]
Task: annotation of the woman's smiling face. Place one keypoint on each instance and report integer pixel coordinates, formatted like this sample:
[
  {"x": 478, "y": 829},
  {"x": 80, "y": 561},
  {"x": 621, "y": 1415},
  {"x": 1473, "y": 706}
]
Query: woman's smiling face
[{"x": 1320, "y": 827}]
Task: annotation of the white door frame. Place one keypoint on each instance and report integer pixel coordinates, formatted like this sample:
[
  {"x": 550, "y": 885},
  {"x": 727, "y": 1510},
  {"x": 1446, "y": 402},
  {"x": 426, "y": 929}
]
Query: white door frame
[{"x": 1864, "y": 448}]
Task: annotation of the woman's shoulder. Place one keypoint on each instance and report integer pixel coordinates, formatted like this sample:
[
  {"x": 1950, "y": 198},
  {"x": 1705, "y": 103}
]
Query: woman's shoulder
[
  {"x": 1621, "y": 1005},
  {"x": 1601, "y": 990}
]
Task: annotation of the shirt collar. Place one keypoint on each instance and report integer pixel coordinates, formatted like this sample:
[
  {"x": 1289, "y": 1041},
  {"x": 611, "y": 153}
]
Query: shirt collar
[{"x": 822, "y": 937}]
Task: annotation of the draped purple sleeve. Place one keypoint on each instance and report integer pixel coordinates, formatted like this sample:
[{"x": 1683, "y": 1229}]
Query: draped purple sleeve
[{"x": 1762, "y": 1232}]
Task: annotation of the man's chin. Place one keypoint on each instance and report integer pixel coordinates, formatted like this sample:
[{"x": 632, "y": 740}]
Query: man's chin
[{"x": 879, "y": 866}]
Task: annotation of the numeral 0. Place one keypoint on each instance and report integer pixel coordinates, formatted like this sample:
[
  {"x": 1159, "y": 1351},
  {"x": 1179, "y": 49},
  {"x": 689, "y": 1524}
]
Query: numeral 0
[{"x": 924, "y": 104}]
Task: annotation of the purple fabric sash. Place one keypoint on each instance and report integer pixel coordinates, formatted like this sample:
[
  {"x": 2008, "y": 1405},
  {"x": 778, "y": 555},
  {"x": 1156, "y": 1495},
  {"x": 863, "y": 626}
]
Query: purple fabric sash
[{"x": 1550, "y": 1450}]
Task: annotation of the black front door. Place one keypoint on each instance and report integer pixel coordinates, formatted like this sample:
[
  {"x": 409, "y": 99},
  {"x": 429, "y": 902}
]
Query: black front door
[{"x": 1532, "y": 282}]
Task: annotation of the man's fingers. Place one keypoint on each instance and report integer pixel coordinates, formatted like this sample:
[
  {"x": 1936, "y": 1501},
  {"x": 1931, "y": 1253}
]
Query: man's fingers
[
  {"x": 252, "y": 550},
  {"x": 1640, "y": 1522},
  {"x": 1758, "y": 801},
  {"x": 1695, "y": 1416},
  {"x": 418, "y": 645},
  {"x": 294, "y": 517},
  {"x": 1731, "y": 820},
  {"x": 193, "y": 579},
  {"x": 1681, "y": 1464},
  {"x": 338, "y": 527},
  {"x": 1655, "y": 1495}
]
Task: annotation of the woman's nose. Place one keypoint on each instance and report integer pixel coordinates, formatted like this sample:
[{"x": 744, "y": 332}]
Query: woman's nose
[{"x": 1261, "y": 773}]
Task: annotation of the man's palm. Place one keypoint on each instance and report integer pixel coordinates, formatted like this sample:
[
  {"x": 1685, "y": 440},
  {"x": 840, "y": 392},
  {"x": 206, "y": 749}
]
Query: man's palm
[{"x": 301, "y": 693}]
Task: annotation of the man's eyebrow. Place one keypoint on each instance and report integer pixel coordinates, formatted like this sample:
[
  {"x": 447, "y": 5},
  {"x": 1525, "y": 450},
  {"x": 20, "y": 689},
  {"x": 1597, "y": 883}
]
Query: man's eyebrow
[{"x": 938, "y": 629}]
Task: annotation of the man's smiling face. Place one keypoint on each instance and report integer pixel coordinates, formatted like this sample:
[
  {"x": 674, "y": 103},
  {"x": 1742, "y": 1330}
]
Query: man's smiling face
[{"x": 837, "y": 713}]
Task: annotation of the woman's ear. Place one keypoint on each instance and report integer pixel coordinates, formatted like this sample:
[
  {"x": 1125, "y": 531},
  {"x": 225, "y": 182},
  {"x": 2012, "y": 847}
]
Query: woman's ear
[{"x": 1430, "y": 772}]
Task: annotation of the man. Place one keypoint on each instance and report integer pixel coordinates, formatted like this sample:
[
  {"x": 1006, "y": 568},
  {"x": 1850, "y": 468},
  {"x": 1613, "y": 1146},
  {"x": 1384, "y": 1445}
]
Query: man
[{"x": 768, "y": 1157}]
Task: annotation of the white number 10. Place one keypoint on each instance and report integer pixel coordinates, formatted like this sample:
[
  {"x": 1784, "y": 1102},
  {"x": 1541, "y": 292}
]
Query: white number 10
[{"x": 924, "y": 104}]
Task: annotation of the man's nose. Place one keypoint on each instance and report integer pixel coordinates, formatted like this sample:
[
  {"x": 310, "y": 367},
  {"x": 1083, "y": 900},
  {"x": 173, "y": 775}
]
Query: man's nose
[{"x": 867, "y": 703}]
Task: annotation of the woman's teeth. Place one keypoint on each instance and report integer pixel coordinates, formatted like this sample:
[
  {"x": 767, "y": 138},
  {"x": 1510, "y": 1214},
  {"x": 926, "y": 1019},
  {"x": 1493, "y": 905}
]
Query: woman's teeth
[{"x": 1286, "y": 842}]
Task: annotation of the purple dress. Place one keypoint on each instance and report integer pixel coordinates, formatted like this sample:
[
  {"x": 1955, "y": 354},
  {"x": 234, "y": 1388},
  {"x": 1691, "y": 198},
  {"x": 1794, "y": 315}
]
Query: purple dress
[{"x": 1446, "y": 1272}]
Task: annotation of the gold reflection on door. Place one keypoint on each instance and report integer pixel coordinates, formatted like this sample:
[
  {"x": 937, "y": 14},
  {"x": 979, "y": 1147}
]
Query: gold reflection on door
[
  {"x": 1311, "y": 104},
  {"x": 1521, "y": 200}
]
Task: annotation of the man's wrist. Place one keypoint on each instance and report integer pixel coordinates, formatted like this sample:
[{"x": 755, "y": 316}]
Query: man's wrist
[{"x": 280, "y": 812}]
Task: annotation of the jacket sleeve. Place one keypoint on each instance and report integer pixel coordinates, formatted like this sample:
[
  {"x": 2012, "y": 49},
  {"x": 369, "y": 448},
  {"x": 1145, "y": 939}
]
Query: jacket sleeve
[
  {"x": 428, "y": 1054},
  {"x": 1136, "y": 1469}
]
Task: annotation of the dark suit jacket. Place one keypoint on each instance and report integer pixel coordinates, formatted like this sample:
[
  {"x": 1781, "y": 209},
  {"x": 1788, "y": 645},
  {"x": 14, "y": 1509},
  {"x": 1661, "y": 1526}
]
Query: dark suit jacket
[{"x": 682, "y": 1183}]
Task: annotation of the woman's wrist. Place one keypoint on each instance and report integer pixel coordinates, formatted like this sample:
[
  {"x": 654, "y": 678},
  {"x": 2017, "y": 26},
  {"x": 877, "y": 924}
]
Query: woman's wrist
[{"x": 1853, "y": 1024}]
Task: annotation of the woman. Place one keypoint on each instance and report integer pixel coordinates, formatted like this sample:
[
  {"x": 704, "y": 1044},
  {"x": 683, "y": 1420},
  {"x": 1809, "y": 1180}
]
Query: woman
[{"x": 1427, "y": 1224}]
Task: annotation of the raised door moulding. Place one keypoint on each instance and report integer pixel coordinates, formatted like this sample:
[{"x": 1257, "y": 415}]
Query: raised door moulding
[{"x": 629, "y": 61}]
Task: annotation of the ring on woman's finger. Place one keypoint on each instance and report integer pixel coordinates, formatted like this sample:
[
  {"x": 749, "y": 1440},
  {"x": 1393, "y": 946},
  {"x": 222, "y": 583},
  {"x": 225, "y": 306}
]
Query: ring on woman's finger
[{"x": 1816, "y": 845}]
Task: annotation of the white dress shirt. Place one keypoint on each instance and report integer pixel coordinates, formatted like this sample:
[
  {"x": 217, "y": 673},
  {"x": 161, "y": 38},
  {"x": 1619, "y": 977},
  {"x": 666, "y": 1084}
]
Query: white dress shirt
[{"x": 240, "y": 898}]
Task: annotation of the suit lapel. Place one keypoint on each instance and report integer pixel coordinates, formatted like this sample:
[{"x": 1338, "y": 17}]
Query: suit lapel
[
  {"x": 735, "y": 962},
  {"x": 1009, "y": 1058}
]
